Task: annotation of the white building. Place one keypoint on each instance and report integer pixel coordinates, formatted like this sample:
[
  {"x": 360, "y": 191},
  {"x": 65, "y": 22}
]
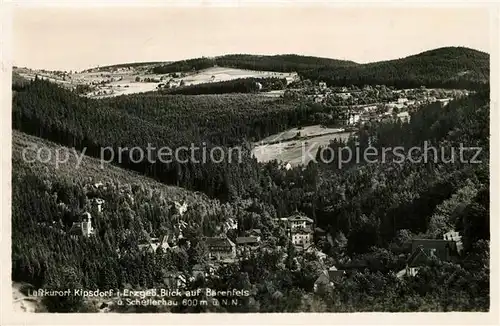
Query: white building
[
  {"x": 231, "y": 224},
  {"x": 82, "y": 228}
]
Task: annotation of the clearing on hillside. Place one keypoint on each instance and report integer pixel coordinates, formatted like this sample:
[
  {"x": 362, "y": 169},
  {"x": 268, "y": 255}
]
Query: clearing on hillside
[{"x": 291, "y": 147}]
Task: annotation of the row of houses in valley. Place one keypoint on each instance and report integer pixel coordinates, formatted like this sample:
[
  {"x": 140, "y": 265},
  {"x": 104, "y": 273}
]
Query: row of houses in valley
[{"x": 223, "y": 249}]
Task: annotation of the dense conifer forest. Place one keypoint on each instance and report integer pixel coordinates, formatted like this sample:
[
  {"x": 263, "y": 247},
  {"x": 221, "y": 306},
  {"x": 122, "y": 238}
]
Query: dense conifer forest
[
  {"x": 445, "y": 67},
  {"x": 281, "y": 63}
]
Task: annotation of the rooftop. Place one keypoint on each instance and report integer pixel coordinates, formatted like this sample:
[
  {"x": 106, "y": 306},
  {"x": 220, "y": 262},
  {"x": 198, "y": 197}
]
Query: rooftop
[
  {"x": 431, "y": 243},
  {"x": 217, "y": 241},
  {"x": 296, "y": 218},
  {"x": 76, "y": 228},
  {"x": 305, "y": 230},
  {"x": 246, "y": 240}
]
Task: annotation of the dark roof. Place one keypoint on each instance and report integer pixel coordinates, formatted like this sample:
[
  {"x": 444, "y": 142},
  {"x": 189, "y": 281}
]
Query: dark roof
[
  {"x": 425, "y": 249},
  {"x": 216, "y": 241},
  {"x": 299, "y": 247},
  {"x": 246, "y": 240},
  {"x": 300, "y": 218},
  {"x": 305, "y": 230},
  {"x": 328, "y": 276},
  {"x": 430, "y": 243},
  {"x": 323, "y": 279},
  {"x": 76, "y": 228},
  {"x": 319, "y": 230},
  {"x": 336, "y": 276},
  {"x": 146, "y": 247},
  {"x": 183, "y": 241},
  {"x": 258, "y": 231}
]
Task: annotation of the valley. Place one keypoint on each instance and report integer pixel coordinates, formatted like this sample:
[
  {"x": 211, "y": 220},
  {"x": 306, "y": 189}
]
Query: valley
[{"x": 91, "y": 210}]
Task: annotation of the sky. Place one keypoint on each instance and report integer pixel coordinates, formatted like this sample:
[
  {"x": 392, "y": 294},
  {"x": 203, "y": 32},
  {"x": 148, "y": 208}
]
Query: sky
[{"x": 80, "y": 38}]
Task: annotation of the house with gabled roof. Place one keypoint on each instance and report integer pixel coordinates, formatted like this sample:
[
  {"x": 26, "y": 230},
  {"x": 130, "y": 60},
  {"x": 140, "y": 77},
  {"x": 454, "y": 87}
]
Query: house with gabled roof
[
  {"x": 298, "y": 221},
  {"x": 316, "y": 252},
  {"x": 255, "y": 233},
  {"x": 424, "y": 250},
  {"x": 155, "y": 243},
  {"x": 220, "y": 248},
  {"x": 328, "y": 278},
  {"x": 246, "y": 245}
]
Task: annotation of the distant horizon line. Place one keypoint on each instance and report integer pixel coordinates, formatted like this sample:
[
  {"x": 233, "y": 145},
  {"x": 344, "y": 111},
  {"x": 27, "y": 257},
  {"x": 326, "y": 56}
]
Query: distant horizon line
[{"x": 254, "y": 54}]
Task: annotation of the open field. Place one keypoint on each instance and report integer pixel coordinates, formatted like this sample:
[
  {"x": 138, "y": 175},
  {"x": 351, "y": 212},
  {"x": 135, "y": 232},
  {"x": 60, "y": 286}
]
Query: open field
[
  {"x": 123, "y": 81},
  {"x": 298, "y": 151},
  {"x": 217, "y": 74},
  {"x": 309, "y": 131}
]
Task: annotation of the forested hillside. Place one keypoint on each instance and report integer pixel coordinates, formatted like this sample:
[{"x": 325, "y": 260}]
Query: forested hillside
[
  {"x": 448, "y": 67},
  {"x": 48, "y": 111},
  {"x": 385, "y": 197},
  {"x": 371, "y": 210},
  {"x": 240, "y": 85},
  {"x": 451, "y": 67},
  {"x": 281, "y": 63}
]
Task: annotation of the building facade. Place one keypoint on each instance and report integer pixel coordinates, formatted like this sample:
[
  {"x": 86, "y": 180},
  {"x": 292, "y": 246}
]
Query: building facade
[{"x": 220, "y": 248}]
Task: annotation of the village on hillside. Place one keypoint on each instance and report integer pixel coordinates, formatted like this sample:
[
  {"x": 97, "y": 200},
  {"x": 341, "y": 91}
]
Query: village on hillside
[
  {"x": 234, "y": 243},
  {"x": 116, "y": 81}
]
